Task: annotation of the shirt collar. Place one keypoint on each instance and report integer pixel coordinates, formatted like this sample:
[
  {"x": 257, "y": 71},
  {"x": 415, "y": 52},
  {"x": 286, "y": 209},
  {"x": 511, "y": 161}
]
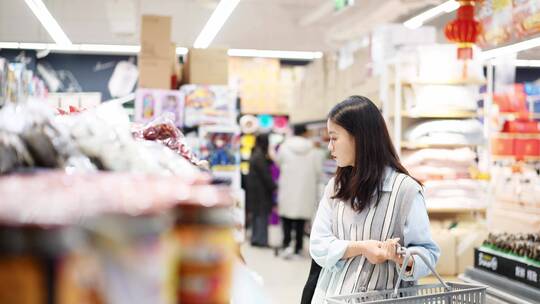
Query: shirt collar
[{"x": 387, "y": 182}]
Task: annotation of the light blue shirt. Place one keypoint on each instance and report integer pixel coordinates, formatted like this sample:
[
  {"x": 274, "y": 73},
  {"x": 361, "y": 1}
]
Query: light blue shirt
[{"x": 327, "y": 250}]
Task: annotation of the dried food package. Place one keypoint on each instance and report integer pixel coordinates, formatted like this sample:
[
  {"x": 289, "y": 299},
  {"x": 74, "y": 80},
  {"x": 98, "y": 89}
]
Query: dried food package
[
  {"x": 45, "y": 141},
  {"x": 163, "y": 130},
  {"x": 13, "y": 153}
]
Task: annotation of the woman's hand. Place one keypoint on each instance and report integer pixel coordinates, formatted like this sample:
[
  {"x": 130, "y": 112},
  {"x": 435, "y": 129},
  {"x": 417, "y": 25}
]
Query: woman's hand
[
  {"x": 376, "y": 252},
  {"x": 393, "y": 244}
]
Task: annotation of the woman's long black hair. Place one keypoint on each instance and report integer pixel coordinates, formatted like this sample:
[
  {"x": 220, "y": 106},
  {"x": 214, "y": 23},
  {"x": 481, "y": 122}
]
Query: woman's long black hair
[
  {"x": 262, "y": 143},
  {"x": 374, "y": 151}
]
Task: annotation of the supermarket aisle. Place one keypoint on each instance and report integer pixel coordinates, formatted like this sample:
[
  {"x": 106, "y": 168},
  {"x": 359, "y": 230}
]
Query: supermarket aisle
[{"x": 283, "y": 280}]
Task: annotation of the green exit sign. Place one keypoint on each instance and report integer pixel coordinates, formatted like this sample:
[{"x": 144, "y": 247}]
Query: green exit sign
[{"x": 341, "y": 4}]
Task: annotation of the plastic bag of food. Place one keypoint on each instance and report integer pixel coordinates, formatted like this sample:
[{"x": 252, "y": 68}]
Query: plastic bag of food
[
  {"x": 163, "y": 130},
  {"x": 47, "y": 143}
]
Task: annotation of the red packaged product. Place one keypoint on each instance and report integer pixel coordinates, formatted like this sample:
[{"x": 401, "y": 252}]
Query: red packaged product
[
  {"x": 527, "y": 147},
  {"x": 521, "y": 126},
  {"x": 502, "y": 146}
]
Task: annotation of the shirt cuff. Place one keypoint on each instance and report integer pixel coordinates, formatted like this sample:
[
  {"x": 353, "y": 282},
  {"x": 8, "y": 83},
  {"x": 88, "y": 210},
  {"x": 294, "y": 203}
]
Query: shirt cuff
[{"x": 336, "y": 251}]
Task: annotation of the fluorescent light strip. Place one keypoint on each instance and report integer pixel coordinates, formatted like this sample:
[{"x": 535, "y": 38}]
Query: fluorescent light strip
[
  {"x": 74, "y": 48},
  {"x": 134, "y": 49},
  {"x": 419, "y": 20},
  {"x": 9, "y": 45},
  {"x": 181, "y": 51},
  {"x": 274, "y": 54},
  {"x": 110, "y": 48},
  {"x": 48, "y": 22},
  {"x": 527, "y": 63},
  {"x": 214, "y": 24},
  {"x": 511, "y": 49},
  {"x": 33, "y": 46}
]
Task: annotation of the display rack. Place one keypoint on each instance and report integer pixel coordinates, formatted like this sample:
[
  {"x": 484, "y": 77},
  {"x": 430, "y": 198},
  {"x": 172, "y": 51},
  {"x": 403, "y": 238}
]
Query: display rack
[
  {"x": 500, "y": 289},
  {"x": 398, "y": 118}
]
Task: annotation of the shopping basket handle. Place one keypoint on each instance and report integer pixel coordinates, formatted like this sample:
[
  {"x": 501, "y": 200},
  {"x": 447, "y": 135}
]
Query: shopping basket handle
[{"x": 409, "y": 252}]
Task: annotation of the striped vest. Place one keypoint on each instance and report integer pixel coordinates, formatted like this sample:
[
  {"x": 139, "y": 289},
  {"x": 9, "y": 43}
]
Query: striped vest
[{"x": 380, "y": 221}]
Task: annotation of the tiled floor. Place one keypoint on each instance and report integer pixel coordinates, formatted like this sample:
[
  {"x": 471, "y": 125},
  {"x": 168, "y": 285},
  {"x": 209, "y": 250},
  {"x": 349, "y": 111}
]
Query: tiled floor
[{"x": 283, "y": 279}]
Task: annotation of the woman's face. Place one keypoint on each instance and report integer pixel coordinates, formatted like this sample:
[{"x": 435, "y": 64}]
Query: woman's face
[{"x": 341, "y": 146}]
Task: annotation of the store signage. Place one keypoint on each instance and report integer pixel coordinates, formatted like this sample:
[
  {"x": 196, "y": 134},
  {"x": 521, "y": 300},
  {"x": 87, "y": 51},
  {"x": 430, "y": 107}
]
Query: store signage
[
  {"x": 513, "y": 268},
  {"x": 487, "y": 261},
  {"x": 506, "y": 22}
]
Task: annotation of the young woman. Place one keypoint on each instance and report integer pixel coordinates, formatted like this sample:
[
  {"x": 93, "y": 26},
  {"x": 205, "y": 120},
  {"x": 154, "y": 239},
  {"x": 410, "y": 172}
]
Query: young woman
[{"x": 370, "y": 207}]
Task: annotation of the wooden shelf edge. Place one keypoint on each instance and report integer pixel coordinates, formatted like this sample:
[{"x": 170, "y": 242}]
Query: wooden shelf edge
[
  {"x": 410, "y": 145},
  {"x": 514, "y": 158},
  {"x": 510, "y": 115},
  {"x": 455, "y": 210},
  {"x": 461, "y": 82},
  {"x": 516, "y": 135},
  {"x": 451, "y": 115}
]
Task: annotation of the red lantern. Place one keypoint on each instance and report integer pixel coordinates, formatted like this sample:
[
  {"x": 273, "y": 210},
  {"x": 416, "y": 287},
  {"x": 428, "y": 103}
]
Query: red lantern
[{"x": 464, "y": 30}]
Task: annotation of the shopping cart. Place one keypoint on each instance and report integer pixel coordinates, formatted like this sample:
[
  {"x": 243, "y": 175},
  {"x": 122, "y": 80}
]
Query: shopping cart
[{"x": 441, "y": 293}]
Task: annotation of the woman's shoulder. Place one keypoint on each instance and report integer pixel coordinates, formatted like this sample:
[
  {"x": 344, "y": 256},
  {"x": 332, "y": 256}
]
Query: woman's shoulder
[
  {"x": 329, "y": 189},
  {"x": 408, "y": 183}
]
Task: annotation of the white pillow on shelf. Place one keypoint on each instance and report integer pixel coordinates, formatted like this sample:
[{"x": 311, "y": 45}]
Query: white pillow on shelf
[{"x": 444, "y": 98}]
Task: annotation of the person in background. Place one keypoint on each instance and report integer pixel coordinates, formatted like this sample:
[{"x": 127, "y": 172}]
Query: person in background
[
  {"x": 259, "y": 191},
  {"x": 300, "y": 164}
]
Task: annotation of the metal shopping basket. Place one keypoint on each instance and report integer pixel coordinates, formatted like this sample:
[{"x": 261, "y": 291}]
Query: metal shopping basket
[{"x": 440, "y": 293}]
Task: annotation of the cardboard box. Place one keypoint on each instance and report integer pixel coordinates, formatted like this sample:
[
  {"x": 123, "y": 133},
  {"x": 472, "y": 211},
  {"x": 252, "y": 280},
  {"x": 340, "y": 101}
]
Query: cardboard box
[
  {"x": 154, "y": 73},
  {"x": 512, "y": 218},
  {"x": 311, "y": 105},
  {"x": 466, "y": 240},
  {"x": 260, "y": 81},
  {"x": 156, "y": 36},
  {"x": 447, "y": 243},
  {"x": 331, "y": 75},
  {"x": 207, "y": 66}
]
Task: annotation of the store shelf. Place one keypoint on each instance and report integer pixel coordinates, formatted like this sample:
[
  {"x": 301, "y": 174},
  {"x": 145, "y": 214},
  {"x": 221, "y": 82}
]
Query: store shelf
[
  {"x": 438, "y": 210},
  {"x": 517, "y": 135},
  {"x": 514, "y": 158},
  {"x": 447, "y": 82},
  {"x": 501, "y": 289},
  {"x": 413, "y": 145},
  {"x": 431, "y": 279},
  {"x": 79, "y": 196},
  {"x": 514, "y": 116},
  {"x": 446, "y": 115}
]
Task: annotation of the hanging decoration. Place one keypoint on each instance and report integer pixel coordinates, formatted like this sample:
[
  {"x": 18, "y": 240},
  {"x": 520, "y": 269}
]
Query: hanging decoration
[{"x": 465, "y": 29}]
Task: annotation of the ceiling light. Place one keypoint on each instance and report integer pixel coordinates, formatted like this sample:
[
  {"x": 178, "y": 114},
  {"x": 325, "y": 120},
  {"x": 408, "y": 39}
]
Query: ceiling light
[
  {"x": 110, "y": 48},
  {"x": 419, "y": 20},
  {"x": 63, "y": 47},
  {"x": 134, "y": 49},
  {"x": 511, "y": 49},
  {"x": 48, "y": 22},
  {"x": 33, "y": 46},
  {"x": 527, "y": 63},
  {"x": 9, "y": 45},
  {"x": 275, "y": 54},
  {"x": 181, "y": 50},
  {"x": 214, "y": 24}
]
